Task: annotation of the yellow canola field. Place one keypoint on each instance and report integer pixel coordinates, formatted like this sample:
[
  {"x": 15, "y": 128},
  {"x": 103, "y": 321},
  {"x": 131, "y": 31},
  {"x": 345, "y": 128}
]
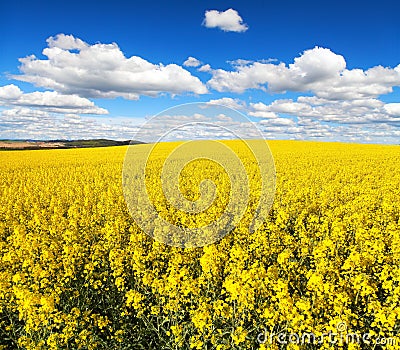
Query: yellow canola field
[{"x": 76, "y": 272}]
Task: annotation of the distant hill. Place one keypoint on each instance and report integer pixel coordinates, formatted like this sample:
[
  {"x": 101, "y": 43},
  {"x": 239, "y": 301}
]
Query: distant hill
[{"x": 60, "y": 144}]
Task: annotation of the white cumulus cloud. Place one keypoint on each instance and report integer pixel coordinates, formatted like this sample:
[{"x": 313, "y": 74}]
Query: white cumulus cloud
[
  {"x": 364, "y": 111},
  {"x": 66, "y": 42},
  {"x": 318, "y": 70},
  {"x": 204, "y": 68},
  {"x": 12, "y": 95},
  {"x": 228, "y": 21},
  {"x": 192, "y": 62},
  {"x": 233, "y": 103},
  {"x": 102, "y": 71},
  {"x": 393, "y": 109}
]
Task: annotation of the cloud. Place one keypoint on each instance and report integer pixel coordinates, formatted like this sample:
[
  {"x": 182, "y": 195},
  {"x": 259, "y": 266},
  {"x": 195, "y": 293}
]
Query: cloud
[
  {"x": 261, "y": 110},
  {"x": 318, "y": 70},
  {"x": 228, "y": 21},
  {"x": 393, "y": 109},
  {"x": 102, "y": 71},
  {"x": 10, "y": 92},
  {"x": 28, "y": 123},
  {"x": 12, "y": 95},
  {"x": 192, "y": 62},
  {"x": 205, "y": 68},
  {"x": 311, "y": 117},
  {"x": 277, "y": 122},
  {"x": 311, "y": 129},
  {"x": 288, "y": 106},
  {"x": 66, "y": 42},
  {"x": 364, "y": 111},
  {"x": 228, "y": 102},
  {"x": 317, "y": 64},
  {"x": 244, "y": 62},
  {"x": 240, "y": 62}
]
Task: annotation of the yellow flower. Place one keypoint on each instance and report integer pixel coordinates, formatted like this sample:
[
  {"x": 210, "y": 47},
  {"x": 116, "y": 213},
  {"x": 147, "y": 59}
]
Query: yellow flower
[
  {"x": 133, "y": 298},
  {"x": 239, "y": 336}
]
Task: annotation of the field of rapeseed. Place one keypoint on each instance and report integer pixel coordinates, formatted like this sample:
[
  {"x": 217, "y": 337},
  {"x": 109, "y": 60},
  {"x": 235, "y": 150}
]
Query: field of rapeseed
[{"x": 76, "y": 272}]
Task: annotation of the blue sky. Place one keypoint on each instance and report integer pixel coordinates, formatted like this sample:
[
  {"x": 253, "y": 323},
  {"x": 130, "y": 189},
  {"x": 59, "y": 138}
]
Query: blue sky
[{"x": 344, "y": 86}]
